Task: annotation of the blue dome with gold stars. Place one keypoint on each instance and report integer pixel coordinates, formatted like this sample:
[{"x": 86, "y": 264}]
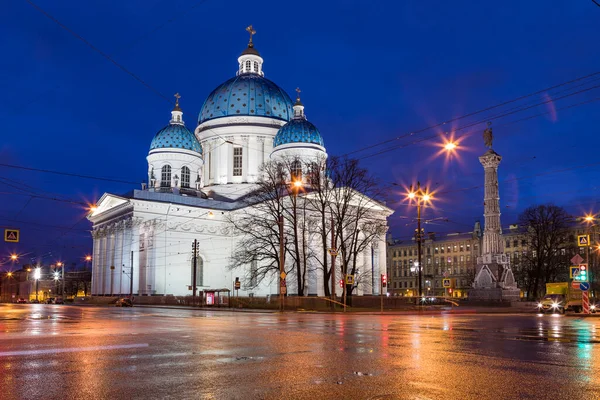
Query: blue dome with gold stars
[
  {"x": 175, "y": 136},
  {"x": 247, "y": 95},
  {"x": 298, "y": 130}
]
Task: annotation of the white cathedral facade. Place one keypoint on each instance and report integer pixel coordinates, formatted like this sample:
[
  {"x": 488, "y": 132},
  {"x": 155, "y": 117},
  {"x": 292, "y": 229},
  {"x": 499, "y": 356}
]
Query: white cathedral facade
[{"x": 196, "y": 180}]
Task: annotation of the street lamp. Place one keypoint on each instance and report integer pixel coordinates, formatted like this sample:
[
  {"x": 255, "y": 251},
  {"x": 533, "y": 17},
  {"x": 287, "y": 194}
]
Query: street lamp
[
  {"x": 590, "y": 219},
  {"x": 14, "y": 257},
  {"x": 450, "y": 146},
  {"x": 62, "y": 267},
  {"x": 421, "y": 198},
  {"x": 37, "y": 274}
]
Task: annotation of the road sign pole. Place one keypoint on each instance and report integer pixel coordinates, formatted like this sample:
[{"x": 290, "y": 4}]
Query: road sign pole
[{"x": 585, "y": 302}]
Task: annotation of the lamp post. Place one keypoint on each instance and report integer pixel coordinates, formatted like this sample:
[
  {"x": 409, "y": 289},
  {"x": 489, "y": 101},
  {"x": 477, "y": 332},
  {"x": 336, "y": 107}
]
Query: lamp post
[
  {"x": 37, "y": 274},
  {"x": 590, "y": 222},
  {"x": 62, "y": 267},
  {"x": 420, "y": 197}
]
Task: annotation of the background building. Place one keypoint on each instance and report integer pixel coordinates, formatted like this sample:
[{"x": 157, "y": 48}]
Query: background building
[{"x": 452, "y": 255}]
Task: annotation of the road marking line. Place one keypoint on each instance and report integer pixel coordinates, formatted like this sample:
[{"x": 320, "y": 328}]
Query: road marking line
[{"x": 71, "y": 350}]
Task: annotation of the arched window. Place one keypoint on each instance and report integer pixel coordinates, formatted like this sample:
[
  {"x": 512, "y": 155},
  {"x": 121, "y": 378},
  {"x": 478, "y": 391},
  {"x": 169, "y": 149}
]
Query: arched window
[
  {"x": 248, "y": 66},
  {"x": 296, "y": 170},
  {"x": 165, "y": 176},
  {"x": 256, "y": 66},
  {"x": 185, "y": 177},
  {"x": 199, "y": 271},
  {"x": 314, "y": 174}
]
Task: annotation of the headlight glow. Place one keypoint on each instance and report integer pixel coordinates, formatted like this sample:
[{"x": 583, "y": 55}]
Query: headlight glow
[
  {"x": 540, "y": 305},
  {"x": 554, "y": 305}
]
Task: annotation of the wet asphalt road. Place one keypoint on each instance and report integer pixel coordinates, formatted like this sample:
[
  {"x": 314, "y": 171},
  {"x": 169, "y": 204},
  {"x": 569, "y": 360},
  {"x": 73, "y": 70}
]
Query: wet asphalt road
[{"x": 68, "y": 352}]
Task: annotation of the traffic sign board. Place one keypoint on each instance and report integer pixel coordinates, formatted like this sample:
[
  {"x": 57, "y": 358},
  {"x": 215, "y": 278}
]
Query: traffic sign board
[
  {"x": 446, "y": 283},
  {"x": 332, "y": 251},
  {"x": 583, "y": 240},
  {"x": 577, "y": 259},
  {"x": 584, "y": 286},
  {"x": 11, "y": 235},
  {"x": 573, "y": 271},
  {"x": 283, "y": 275},
  {"x": 575, "y": 284},
  {"x": 349, "y": 279}
]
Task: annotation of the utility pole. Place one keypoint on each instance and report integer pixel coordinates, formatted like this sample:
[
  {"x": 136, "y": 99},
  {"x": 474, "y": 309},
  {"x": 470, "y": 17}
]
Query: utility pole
[
  {"x": 419, "y": 248},
  {"x": 282, "y": 287},
  {"x": 131, "y": 281},
  {"x": 194, "y": 261},
  {"x": 333, "y": 254}
]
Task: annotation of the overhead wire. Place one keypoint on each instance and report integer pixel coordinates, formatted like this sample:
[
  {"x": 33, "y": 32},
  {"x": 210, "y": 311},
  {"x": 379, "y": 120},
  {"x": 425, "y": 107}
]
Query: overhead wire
[
  {"x": 412, "y": 133},
  {"x": 97, "y": 50}
]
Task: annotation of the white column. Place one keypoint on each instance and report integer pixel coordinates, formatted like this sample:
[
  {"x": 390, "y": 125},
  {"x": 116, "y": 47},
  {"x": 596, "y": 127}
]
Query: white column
[
  {"x": 126, "y": 260},
  {"x": 95, "y": 269},
  {"x": 225, "y": 169},
  {"x": 245, "y": 158}
]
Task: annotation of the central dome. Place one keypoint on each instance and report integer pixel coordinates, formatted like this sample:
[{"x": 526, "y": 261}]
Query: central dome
[{"x": 247, "y": 95}]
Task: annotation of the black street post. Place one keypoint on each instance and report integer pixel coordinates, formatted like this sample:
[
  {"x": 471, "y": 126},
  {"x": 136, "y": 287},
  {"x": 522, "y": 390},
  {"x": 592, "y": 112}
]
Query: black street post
[
  {"x": 421, "y": 197},
  {"x": 195, "y": 260},
  {"x": 131, "y": 279}
]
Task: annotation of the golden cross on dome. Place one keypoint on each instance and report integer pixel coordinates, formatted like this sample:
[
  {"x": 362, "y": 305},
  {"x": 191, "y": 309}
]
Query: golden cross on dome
[
  {"x": 251, "y": 31},
  {"x": 177, "y": 97},
  {"x": 298, "y": 95}
]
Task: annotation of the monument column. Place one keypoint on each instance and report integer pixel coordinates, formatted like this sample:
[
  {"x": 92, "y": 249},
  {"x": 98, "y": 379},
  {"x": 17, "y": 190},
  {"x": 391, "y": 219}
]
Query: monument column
[{"x": 494, "y": 279}]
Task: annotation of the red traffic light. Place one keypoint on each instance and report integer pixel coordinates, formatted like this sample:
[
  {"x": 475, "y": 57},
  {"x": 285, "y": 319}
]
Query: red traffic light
[
  {"x": 383, "y": 280},
  {"x": 341, "y": 283}
]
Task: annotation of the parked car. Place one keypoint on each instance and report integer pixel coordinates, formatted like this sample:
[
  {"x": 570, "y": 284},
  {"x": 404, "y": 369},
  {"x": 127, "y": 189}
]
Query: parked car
[
  {"x": 124, "y": 302},
  {"x": 35, "y": 301},
  {"x": 59, "y": 300},
  {"x": 50, "y": 300},
  {"x": 21, "y": 301}
]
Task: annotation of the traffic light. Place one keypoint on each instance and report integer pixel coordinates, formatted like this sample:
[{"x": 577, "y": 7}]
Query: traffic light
[
  {"x": 341, "y": 283},
  {"x": 582, "y": 276},
  {"x": 383, "y": 280}
]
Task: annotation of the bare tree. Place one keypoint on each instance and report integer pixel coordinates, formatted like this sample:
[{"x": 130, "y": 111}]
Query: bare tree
[
  {"x": 257, "y": 224},
  {"x": 318, "y": 201},
  {"x": 545, "y": 228},
  {"x": 356, "y": 213}
]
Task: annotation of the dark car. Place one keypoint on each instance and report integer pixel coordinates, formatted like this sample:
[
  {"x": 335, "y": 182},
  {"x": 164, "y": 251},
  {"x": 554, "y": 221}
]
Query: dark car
[
  {"x": 35, "y": 301},
  {"x": 21, "y": 301},
  {"x": 59, "y": 300},
  {"x": 50, "y": 300},
  {"x": 124, "y": 302}
]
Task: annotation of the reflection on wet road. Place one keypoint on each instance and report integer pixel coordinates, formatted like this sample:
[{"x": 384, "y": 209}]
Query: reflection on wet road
[{"x": 61, "y": 352}]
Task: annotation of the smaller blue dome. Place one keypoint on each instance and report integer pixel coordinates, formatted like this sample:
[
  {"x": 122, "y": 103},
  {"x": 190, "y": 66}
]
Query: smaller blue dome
[
  {"x": 175, "y": 136},
  {"x": 298, "y": 130}
]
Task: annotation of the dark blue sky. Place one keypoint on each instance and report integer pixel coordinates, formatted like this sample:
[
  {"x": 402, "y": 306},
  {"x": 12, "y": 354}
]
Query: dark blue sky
[{"x": 368, "y": 70}]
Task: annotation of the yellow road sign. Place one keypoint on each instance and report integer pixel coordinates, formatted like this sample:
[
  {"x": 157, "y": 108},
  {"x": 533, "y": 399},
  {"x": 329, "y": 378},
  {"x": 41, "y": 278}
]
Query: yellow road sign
[
  {"x": 283, "y": 275},
  {"x": 349, "y": 279},
  {"x": 12, "y": 235},
  {"x": 447, "y": 282},
  {"x": 583, "y": 240}
]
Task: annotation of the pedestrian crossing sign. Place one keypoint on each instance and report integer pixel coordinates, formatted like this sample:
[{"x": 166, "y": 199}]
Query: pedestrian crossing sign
[
  {"x": 11, "y": 235},
  {"x": 583, "y": 240},
  {"x": 447, "y": 283},
  {"x": 349, "y": 279}
]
